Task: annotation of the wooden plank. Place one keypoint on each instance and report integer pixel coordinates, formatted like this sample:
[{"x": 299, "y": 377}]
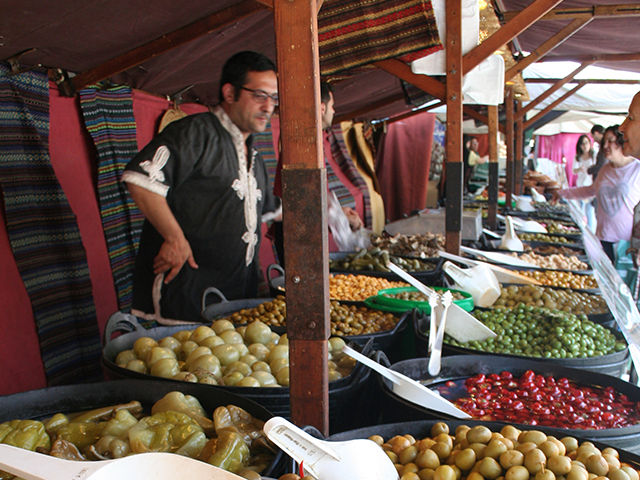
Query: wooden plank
[
  {"x": 305, "y": 211},
  {"x": 553, "y": 105},
  {"x": 492, "y": 111},
  {"x": 623, "y": 10},
  {"x": 455, "y": 171},
  {"x": 546, "y": 94},
  {"x": 510, "y": 30},
  {"x": 163, "y": 44},
  {"x": 602, "y": 57},
  {"x": 354, "y": 114},
  {"x": 509, "y": 107},
  {"x": 402, "y": 116},
  {"x": 468, "y": 110},
  {"x": 518, "y": 170},
  {"x": 268, "y": 3},
  {"x": 424, "y": 82},
  {"x": 592, "y": 81},
  {"x": 556, "y": 40}
]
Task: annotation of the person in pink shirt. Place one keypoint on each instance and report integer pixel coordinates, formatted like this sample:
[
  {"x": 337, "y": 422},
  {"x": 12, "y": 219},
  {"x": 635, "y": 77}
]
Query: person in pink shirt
[{"x": 617, "y": 192}]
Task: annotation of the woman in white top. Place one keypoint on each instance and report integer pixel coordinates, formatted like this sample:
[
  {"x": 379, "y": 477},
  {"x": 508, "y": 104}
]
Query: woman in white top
[{"x": 585, "y": 158}]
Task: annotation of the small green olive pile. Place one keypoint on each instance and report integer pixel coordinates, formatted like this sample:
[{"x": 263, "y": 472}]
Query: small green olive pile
[
  {"x": 416, "y": 296},
  {"x": 541, "y": 237},
  {"x": 562, "y": 279},
  {"x": 562, "y": 228},
  {"x": 251, "y": 356},
  {"x": 345, "y": 319},
  {"x": 540, "y": 332},
  {"x": 477, "y": 453},
  {"x": 555, "y": 299},
  {"x": 555, "y": 250},
  {"x": 376, "y": 260}
]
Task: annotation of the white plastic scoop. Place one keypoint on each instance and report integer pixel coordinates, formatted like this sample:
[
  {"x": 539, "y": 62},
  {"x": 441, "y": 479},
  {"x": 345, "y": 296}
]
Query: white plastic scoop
[
  {"x": 537, "y": 197},
  {"x": 498, "y": 257},
  {"x": 433, "y": 367},
  {"x": 491, "y": 234},
  {"x": 354, "y": 459},
  {"x": 143, "y": 466},
  {"x": 460, "y": 324},
  {"x": 525, "y": 225},
  {"x": 510, "y": 240},
  {"x": 408, "y": 388},
  {"x": 523, "y": 203},
  {"x": 502, "y": 274}
]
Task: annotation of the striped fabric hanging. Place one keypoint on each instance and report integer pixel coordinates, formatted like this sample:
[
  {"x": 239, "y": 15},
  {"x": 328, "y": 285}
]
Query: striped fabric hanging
[
  {"x": 44, "y": 234},
  {"x": 108, "y": 116},
  {"x": 263, "y": 143}
]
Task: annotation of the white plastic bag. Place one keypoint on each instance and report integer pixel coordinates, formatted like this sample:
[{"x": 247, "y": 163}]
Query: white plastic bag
[{"x": 346, "y": 239}]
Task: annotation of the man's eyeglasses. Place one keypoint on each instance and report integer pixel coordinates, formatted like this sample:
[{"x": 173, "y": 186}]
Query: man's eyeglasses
[{"x": 261, "y": 97}]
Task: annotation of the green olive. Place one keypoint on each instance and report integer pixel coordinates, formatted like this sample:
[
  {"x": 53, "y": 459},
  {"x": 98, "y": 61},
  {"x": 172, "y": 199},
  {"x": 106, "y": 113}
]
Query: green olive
[
  {"x": 266, "y": 379},
  {"x": 195, "y": 353},
  {"x": 238, "y": 366},
  {"x": 125, "y": 357},
  {"x": 517, "y": 472},
  {"x": 559, "y": 464},
  {"x": 171, "y": 343},
  {"x": 257, "y": 332},
  {"x": 466, "y": 459},
  {"x": 248, "y": 382},
  {"x": 226, "y": 354},
  {"x": 283, "y": 377},
  {"x": 207, "y": 362},
  {"x": 278, "y": 364},
  {"x": 220, "y": 326},
  {"x": 211, "y": 342},
  {"x": 231, "y": 337},
  {"x": 143, "y": 345},
  {"x": 158, "y": 353},
  {"x": 165, "y": 367},
  {"x": 182, "y": 336},
  {"x": 259, "y": 351},
  {"x": 137, "y": 366},
  {"x": 201, "y": 333},
  {"x": 534, "y": 460},
  {"x": 511, "y": 458},
  {"x": 479, "y": 434},
  {"x": 427, "y": 459}
]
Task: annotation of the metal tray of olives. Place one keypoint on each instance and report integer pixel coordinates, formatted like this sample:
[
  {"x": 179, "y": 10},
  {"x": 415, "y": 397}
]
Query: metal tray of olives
[{"x": 460, "y": 367}]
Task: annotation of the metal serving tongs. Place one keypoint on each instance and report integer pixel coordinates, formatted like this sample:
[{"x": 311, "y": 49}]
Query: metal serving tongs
[
  {"x": 436, "y": 355},
  {"x": 433, "y": 323},
  {"x": 143, "y": 466},
  {"x": 460, "y": 325},
  {"x": 408, "y": 388},
  {"x": 354, "y": 459}
]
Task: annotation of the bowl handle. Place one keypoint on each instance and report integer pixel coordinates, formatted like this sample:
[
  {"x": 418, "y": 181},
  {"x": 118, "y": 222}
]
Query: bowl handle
[
  {"x": 215, "y": 291},
  {"x": 120, "y": 322}
]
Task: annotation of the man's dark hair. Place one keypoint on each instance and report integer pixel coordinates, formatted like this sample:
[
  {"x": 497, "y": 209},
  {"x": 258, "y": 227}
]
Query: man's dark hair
[
  {"x": 325, "y": 90},
  {"x": 619, "y": 137},
  {"x": 597, "y": 128},
  {"x": 237, "y": 67}
]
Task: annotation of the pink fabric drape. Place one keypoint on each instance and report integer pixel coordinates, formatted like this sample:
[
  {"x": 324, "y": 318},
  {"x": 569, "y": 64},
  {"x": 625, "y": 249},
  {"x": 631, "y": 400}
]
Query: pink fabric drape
[
  {"x": 403, "y": 163},
  {"x": 557, "y": 148}
]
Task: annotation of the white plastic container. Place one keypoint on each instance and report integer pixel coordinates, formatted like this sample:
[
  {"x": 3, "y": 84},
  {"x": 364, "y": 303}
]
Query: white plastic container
[{"x": 479, "y": 281}]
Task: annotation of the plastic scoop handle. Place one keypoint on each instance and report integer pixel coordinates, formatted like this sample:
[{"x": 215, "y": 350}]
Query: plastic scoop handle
[{"x": 499, "y": 257}]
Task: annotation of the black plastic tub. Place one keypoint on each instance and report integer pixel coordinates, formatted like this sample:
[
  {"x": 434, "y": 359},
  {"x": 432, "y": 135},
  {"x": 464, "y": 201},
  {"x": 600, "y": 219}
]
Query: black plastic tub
[
  {"x": 614, "y": 364},
  {"x": 397, "y": 409},
  {"x": 44, "y": 403},
  {"x": 344, "y": 394},
  {"x": 222, "y": 307}
]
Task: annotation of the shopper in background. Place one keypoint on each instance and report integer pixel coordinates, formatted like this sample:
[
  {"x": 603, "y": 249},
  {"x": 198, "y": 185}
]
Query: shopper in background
[
  {"x": 597, "y": 132},
  {"x": 617, "y": 190},
  {"x": 583, "y": 160}
]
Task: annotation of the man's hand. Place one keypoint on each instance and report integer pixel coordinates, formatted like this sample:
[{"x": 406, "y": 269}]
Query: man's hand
[
  {"x": 354, "y": 219},
  {"x": 172, "y": 256},
  {"x": 556, "y": 197}
]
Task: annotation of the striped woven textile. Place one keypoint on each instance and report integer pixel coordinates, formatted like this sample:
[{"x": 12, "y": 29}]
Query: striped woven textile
[
  {"x": 44, "y": 234},
  {"x": 263, "y": 143},
  {"x": 413, "y": 96},
  {"x": 342, "y": 157},
  {"x": 352, "y": 35},
  {"x": 108, "y": 116},
  {"x": 334, "y": 184}
]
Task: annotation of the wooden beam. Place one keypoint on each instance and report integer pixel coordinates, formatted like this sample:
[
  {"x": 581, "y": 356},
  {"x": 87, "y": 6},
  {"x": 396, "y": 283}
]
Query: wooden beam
[
  {"x": 481, "y": 118},
  {"x": 553, "y": 105},
  {"x": 624, "y": 10},
  {"x": 509, "y": 107},
  {"x": 510, "y": 30},
  {"x": 547, "y": 46},
  {"x": 369, "y": 108},
  {"x": 423, "y": 82},
  {"x": 540, "y": 98},
  {"x": 305, "y": 227},
  {"x": 402, "y": 116},
  {"x": 588, "y": 81},
  {"x": 269, "y": 4},
  {"x": 595, "y": 58},
  {"x": 454, "y": 162},
  {"x": 163, "y": 44},
  {"x": 493, "y": 167}
]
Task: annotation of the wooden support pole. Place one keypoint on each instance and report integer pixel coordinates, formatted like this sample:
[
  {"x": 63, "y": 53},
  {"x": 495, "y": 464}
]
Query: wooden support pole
[
  {"x": 508, "y": 32},
  {"x": 518, "y": 171},
  {"x": 590, "y": 81},
  {"x": 304, "y": 191},
  {"x": 553, "y": 105},
  {"x": 509, "y": 107},
  {"x": 454, "y": 165},
  {"x": 547, "y": 46},
  {"x": 492, "y": 111},
  {"x": 542, "y": 97},
  {"x": 601, "y": 57},
  {"x": 163, "y": 44},
  {"x": 622, "y": 10}
]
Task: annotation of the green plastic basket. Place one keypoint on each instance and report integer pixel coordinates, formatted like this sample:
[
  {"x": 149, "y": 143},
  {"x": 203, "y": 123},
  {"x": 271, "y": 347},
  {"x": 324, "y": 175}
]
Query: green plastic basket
[{"x": 403, "y": 305}]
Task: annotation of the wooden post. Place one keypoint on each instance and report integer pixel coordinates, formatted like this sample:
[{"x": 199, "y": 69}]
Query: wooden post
[
  {"x": 518, "y": 171},
  {"x": 508, "y": 100},
  {"x": 304, "y": 187},
  {"x": 493, "y": 166},
  {"x": 454, "y": 165}
]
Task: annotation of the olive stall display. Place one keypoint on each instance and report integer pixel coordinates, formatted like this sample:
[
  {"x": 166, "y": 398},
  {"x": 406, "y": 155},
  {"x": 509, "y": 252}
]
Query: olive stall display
[
  {"x": 564, "y": 299},
  {"x": 357, "y": 288},
  {"x": 346, "y": 320},
  {"x": 469, "y": 450},
  {"x": 554, "y": 278},
  {"x": 542, "y": 333},
  {"x": 251, "y": 356},
  {"x": 376, "y": 259},
  {"x": 553, "y": 262},
  {"x": 426, "y": 245},
  {"x": 543, "y": 238},
  {"x": 557, "y": 250},
  {"x": 229, "y": 437}
]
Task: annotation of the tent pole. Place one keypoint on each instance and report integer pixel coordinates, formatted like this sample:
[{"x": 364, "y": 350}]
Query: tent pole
[
  {"x": 508, "y": 100},
  {"x": 304, "y": 188},
  {"x": 493, "y": 166},
  {"x": 518, "y": 155}
]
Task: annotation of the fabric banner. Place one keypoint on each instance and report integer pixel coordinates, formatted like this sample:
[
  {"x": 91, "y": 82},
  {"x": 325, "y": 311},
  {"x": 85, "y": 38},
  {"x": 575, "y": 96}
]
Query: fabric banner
[
  {"x": 353, "y": 35},
  {"x": 263, "y": 143},
  {"x": 44, "y": 234},
  {"x": 108, "y": 116}
]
